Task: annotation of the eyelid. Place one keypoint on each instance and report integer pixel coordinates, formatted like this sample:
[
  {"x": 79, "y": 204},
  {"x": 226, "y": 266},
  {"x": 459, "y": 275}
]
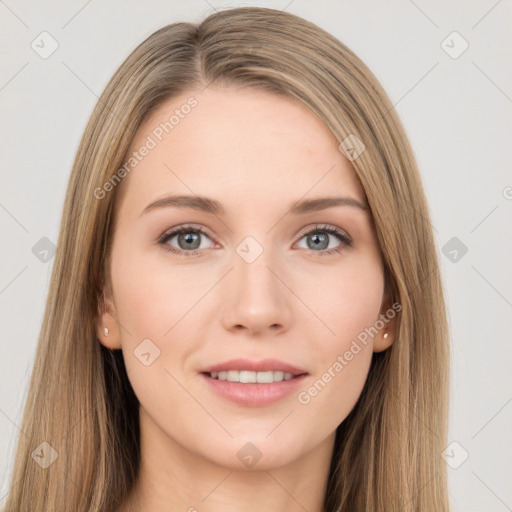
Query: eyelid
[
  {"x": 183, "y": 227},
  {"x": 325, "y": 227}
]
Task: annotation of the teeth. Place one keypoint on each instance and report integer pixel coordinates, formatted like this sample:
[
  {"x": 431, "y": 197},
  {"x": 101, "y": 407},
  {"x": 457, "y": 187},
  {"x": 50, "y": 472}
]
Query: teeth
[{"x": 246, "y": 376}]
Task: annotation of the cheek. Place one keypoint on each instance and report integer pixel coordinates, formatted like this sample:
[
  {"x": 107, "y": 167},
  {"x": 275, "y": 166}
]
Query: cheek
[
  {"x": 335, "y": 390},
  {"x": 346, "y": 300},
  {"x": 152, "y": 300},
  {"x": 151, "y": 303},
  {"x": 348, "y": 306}
]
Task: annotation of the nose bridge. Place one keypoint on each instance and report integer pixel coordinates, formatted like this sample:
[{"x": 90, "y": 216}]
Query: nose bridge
[
  {"x": 257, "y": 297},
  {"x": 252, "y": 274}
]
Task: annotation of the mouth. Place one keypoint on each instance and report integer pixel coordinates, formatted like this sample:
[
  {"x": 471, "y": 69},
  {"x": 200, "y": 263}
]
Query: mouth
[
  {"x": 250, "y": 388},
  {"x": 253, "y": 377}
]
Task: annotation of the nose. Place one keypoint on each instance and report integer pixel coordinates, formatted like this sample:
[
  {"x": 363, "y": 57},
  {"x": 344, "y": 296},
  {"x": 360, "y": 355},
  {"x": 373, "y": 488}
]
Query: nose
[{"x": 258, "y": 300}]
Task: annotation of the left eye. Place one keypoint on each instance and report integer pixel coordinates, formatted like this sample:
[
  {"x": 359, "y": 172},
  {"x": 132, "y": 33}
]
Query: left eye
[{"x": 318, "y": 238}]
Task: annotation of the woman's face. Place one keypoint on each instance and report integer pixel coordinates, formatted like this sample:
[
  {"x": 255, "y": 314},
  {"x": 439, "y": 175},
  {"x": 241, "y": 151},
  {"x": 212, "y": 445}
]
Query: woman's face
[{"x": 250, "y": 278}]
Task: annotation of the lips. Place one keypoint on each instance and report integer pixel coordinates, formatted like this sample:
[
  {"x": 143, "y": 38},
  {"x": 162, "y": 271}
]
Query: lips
[
  {"x": 250, "y": 392},
  {"x": 264, "y": 365}
]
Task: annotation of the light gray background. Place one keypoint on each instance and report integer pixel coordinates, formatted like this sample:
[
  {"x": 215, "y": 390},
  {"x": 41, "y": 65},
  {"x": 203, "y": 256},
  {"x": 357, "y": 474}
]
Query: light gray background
[{"x": 457, "y": 113}]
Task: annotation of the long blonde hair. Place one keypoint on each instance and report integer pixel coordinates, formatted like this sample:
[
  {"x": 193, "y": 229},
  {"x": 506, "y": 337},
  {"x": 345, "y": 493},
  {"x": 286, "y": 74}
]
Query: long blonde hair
[{"x": 387, "y": 452}]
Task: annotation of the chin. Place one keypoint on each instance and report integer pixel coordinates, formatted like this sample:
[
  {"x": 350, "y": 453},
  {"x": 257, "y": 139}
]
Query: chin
[{"x": 255, "y": 453}]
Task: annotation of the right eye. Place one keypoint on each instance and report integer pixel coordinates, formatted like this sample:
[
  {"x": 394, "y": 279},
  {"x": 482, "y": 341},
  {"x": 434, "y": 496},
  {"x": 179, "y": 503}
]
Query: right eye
[{"x": 188, "y": 239}]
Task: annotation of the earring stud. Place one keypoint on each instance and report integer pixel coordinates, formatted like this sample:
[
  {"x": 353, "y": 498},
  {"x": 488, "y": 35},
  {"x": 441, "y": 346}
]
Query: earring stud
[
  {"x": 385, "y": 335},
  {"x": 106, "y": 331}
]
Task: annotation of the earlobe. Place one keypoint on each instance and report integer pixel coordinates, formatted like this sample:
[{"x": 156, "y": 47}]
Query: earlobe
[
  {"x": 107, "y": 327},
  {"x": 382, "y": 341},
  {"x": 388, "y": 318}
]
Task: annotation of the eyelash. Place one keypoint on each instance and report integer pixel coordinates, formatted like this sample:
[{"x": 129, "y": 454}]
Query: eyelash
[{"x": 340, "y": 235}]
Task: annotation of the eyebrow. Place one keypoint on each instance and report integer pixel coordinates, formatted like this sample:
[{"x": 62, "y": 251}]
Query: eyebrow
[{"x": 208, "y": 205}]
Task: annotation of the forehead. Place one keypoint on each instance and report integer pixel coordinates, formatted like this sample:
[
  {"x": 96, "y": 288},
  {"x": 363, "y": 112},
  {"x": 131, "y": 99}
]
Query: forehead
[{"x": 245, "y": 144}]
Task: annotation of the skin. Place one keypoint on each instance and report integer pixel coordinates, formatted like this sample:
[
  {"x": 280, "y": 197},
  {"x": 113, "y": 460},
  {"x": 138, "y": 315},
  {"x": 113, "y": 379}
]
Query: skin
[{"x": 258, "y": 154}]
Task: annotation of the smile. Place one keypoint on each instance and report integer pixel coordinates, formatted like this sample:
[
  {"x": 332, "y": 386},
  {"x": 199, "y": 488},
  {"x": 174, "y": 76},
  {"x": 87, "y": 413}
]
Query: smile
[{"x": 248, "y": 377}]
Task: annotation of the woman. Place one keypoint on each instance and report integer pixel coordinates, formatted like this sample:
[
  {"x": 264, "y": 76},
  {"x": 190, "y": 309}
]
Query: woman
[{"x": 245, "y": 309}]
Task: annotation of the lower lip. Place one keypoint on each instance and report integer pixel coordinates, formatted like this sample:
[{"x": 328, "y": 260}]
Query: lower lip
[{"x": 254, "y": 394}]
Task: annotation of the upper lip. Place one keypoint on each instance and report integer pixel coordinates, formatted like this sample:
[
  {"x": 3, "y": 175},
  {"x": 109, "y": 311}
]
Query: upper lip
[{"x": 264, "y": 365}]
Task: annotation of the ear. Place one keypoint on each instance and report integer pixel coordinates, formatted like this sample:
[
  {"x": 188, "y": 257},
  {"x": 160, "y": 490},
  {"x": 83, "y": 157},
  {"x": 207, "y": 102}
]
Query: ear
[
  {"x": 388, "y": 316},
  {"x": 107, "y": 326}
]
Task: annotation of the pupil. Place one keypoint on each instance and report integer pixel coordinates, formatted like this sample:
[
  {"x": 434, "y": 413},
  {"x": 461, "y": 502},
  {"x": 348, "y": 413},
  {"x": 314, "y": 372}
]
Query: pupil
[
  {"x": 318, "y": 238},
  {"x": 189, "y": 237}
]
